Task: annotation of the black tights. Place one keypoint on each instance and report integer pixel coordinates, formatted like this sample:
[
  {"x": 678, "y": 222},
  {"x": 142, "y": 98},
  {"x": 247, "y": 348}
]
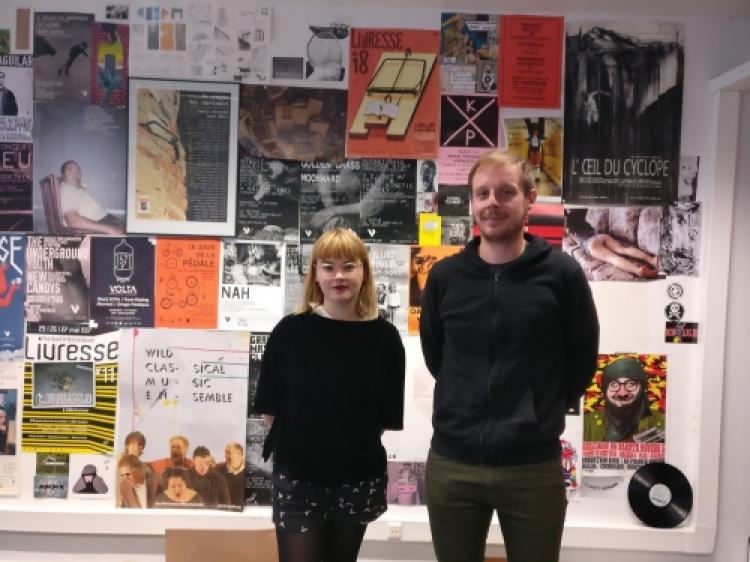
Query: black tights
[{"x": 334, "y": 541}]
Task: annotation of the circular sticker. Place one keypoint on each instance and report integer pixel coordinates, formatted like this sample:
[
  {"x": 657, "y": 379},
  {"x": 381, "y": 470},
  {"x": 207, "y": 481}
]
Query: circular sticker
[
  {"x": 674, "y": 311},
  {"x": 674, "y": 291}
]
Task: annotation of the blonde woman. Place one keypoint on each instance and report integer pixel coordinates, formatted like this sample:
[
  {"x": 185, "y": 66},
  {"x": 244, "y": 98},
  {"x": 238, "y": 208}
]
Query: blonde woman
[{"x": 331, "y": 381}]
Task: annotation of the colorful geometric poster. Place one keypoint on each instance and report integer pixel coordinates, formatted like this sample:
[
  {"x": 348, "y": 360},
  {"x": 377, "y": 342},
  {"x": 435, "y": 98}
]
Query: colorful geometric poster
[
  {"x": 394, "y": 94},
  {"x": 390, "y": 271},
  {"x": 251, "y": 285},
  {"x": 623, "y": 112},
  {"x": 187, "y": 282},
  {"x": 109, "y": 63},
  {"x": 292, "y": 123},
  {"x": 468, "y": 53},
  {"x": 62, "y": 43},
  {"x": 12, "y": 284},
  {"x": 268, "y": 199},
  {"x": 70, "y": 392},
  {"x": 185, "y": 392},
  {"x": 539, "y": 141},
  {"x": 16, "y": 100},
  {"x": 624, "y": 412},
  {"x": 122, "y": 282},
  {"x": 422, "y": 259},
  {"x": 57, "y": 279},
  {"x": 468, "y": 128},
  {"x": 530, "y": 55},
  {"x": 16, "y": 199}
]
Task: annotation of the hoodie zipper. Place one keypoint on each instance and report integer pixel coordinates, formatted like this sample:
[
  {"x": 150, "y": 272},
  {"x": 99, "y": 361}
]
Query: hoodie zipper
[{"x": 491, "y": 339}]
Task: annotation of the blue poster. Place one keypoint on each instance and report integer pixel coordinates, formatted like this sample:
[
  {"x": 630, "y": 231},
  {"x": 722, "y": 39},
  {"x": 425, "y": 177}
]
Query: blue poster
[
  {"x": 12, "y": 282},
  {"x": 122, "y": 282}
]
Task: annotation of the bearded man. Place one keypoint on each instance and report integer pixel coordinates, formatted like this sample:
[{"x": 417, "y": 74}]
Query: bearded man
[{"x": 510, "y": 332}]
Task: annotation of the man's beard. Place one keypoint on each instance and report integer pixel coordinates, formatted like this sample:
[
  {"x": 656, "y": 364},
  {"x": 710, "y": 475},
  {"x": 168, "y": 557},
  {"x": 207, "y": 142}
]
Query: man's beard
[
  {"x": 512, "y": 231},
  {"x": 624, "y": 419}
]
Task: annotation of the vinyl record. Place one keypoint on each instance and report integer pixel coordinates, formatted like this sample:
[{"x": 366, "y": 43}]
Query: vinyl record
[{"x": 660, "y": 495}]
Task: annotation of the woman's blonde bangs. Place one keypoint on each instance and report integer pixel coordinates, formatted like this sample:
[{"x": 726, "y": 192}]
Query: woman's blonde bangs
[{"x": 344, "y": 244}]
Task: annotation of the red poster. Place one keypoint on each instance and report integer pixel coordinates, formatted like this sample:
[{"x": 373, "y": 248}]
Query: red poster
[
  {"x": 394, "y": 94},
  {"x": 530, "y": 61},
  {"x": 187, "y": 283}
]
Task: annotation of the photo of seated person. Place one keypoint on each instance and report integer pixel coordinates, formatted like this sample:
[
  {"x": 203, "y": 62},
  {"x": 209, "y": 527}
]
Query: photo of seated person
[{"x": 79, "y": 209}]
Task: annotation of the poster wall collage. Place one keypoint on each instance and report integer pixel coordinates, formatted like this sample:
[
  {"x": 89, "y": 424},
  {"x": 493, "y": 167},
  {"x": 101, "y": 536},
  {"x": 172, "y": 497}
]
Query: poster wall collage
[{"x": 166, "y": 168}]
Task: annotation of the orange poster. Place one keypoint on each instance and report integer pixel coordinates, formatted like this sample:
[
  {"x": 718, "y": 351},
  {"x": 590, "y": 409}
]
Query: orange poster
[
  {"x": 187, "y": 282},
  {"x": 394, "y": 94},
  {"x": 422, "y": 260},
  {"x": 530, "y": 61}
]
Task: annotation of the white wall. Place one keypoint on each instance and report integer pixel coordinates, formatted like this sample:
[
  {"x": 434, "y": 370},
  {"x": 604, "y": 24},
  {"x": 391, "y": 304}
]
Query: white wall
[{"x": 713, "y": 46}]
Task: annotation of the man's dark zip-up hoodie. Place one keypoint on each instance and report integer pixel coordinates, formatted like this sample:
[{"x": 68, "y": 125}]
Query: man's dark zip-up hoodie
[{"x": 511, "y": 347}]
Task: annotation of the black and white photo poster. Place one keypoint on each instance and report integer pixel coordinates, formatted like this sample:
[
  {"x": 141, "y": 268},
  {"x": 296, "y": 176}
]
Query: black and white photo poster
[
  {"x": 390, "y": 270},
  {"x": 330, "y": 197},
  {"x": 388, "y": 208},
  {"x": 268, "y": 199},
  {"x": 251, "y": 289},
  {"x": 623, "y": 110}
]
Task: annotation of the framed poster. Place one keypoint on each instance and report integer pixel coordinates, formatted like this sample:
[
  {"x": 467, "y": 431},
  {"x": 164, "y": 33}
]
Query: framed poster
[{"x": 182, "y": 145}]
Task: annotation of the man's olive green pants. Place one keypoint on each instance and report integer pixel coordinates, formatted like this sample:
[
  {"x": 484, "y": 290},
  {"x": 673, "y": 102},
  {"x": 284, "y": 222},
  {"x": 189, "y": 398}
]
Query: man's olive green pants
[{"x": 529, "y": 499}]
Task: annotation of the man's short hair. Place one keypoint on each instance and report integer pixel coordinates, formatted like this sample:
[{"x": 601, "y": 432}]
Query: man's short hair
[
  {"x": 201, "y": 451},
  {"x": 503, "y": 158},
  {"x": 182, "y": 438},
  {"x": 66, "y": 164},
  {"x": 135, "y": 437}
]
